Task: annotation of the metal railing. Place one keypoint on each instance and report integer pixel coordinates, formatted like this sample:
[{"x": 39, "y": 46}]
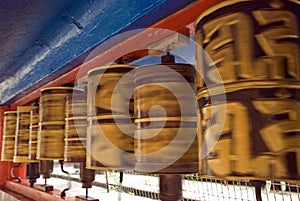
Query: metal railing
[
  {"x": 204, "y": 189},
  {"x": 195, "y": 188}
]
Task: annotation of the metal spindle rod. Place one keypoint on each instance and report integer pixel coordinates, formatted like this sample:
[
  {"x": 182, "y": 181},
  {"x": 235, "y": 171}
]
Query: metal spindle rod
[
  {"x": 106, "y": 178},
  {"x": 63, "y": 193}
]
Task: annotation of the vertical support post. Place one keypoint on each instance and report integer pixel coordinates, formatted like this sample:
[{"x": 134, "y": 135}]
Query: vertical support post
[
  {"x": 170, "y": 187},
  {"x": 258, "y": 185},
  {"x": 4, "y": 165}
]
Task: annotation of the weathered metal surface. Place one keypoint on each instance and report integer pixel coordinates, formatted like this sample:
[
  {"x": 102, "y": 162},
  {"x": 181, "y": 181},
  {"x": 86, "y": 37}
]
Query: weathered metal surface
[{"x": 255, "y": 46}]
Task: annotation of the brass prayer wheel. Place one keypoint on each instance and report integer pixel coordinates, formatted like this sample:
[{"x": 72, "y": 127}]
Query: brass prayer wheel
[
  {"x": 33, "y": 133},
  {"x": 109, "y": 83},
  {"x": 21, "y": 153},
  {"x": 255, "y": 47},
  {"x": 75, "y": 128},
  {"x": 166, "y": 118},
  {"x": 52, "y": 122},
  {"x": 166, "y": 86},
  {"x": 110, "y": 143},
  {"x": 51, "y": 140},
  {"x": 76, "y": 104},
  {"x": 110, "y": 109},
  {"x": 75, "y": 139},
  {"x": 164, "y": 146},
  {"x": 52, "y": 103},
  {"x": 9, "y": 131}
]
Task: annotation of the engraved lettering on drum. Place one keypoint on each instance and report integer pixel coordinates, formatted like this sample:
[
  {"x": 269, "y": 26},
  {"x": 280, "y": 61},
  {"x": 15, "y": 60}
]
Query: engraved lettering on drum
[
  {"x": 255, "y": 47},
  {"x": 279, "y": 41},
  {"x": 232, "y": 151},
  {"x": 279, "y": 133},
  {"x": 232, "y": 55},
  {"x": 233, "y": 154},
  {"x": 239, "y": 53}
]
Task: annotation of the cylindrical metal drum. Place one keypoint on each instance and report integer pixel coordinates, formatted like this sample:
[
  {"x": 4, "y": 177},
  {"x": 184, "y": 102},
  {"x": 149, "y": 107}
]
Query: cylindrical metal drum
[
  {"x": 33, "y": 133},
  {"x": 110, "y": 90},
  {"x": 51, "y": 140},
  {"x": 75, "y": 139},
  {"x": 76, "y": 104},
  {"x": 75, "y": 128},
  {"x": 110, "y": 109},
  {"x": 110, "y": 143},
  {"x": 52, "y": 103},
  {"x": 166, "y": 146},
  {"x": 166, "y": 111},
  {"x": 9, "y": 131},
  {"x": 168, "y": 86},
  {"x": 52, "y": 122},
  {"x": 255, "y": 47},
  {"x": 22, "y": 134}
]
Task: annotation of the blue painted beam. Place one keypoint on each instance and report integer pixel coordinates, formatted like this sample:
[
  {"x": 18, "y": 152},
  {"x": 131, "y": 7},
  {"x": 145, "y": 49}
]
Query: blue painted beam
[{"x": 67, "y": 40}]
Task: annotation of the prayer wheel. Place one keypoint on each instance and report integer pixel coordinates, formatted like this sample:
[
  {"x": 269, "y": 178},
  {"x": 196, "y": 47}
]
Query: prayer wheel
[
  {"x": 52, "y": 122},
  {"x": 21, "y": 153},
  {"x": 75, "y": 128},
  {"x": 76, "y": 104},
  {"x": 255, "y": 48},
  {"x": 110, "y": 143},
  {"x": 52, "y": 103},
  {"x": 9, "y": 131},
  {"x": 166, "y": 123},
  {"x": 75, "y": 139},
  {"x": 162, "y": 146},
  {"x": 109, "y": 83},
  {"x": 110, "y": 110},
  {"x": 33, "y": 133},
  {"x": 51, "y": 140},
  {"x": 164, "y": 85}
]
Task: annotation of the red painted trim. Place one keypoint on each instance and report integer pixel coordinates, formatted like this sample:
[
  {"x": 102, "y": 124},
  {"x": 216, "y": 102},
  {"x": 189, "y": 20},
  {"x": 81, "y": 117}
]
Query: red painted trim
[
  {"x": 35, "y": 194},
  {"x": 174, "y": 22},
  {"x": 4, "y": 166},
  {"x": 20, "y": 171},
  {"x": 185, "y": 16}
]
